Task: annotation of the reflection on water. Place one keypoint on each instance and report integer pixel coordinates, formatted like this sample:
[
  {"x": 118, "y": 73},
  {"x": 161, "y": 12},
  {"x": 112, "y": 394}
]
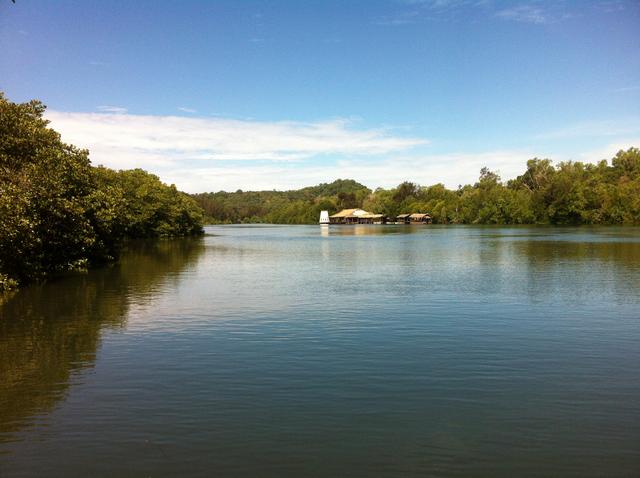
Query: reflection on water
[
  {"x": 50, "y": 333},
  {"x": 371, "y": 229},
  {"x": 340, "y": 351},
  {"x": 611, "y": 268}
]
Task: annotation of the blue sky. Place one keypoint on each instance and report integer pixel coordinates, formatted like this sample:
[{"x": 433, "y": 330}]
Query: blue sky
[{"x": 262, "y": 95}]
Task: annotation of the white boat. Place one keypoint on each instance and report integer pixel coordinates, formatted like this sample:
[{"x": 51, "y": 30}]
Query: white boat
[{"x": 324, "y": 218}]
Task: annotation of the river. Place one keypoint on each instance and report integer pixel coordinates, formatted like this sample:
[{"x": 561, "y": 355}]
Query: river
[{"x": 285, "y": 351}]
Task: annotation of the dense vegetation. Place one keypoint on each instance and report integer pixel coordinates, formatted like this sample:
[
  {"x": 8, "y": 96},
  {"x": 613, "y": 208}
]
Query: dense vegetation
[
  {"x": 57, "y": 212},
  {"x": 302, "y": 206},
  {"x": 569, "y": 193}
]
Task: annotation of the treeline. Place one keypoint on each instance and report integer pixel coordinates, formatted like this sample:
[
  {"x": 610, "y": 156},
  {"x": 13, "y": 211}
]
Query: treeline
[
  {"x": 58, "y": 213},
  {"x": 569, "y": 193},
  {"x": 301, "y": 206}
]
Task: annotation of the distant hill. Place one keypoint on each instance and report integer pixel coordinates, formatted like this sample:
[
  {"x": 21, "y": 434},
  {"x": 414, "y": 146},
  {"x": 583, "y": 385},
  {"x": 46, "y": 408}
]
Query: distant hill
[
  {"x": 345, "y": 186},
  {"x": 300, "y": 206}
]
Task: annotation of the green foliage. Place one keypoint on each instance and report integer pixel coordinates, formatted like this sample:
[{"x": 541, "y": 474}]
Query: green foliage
[
  {"x": 302, "y": 206},
  {"x": 44, "y": 185},
  {"x": 571, "y": 193},
  {"x": 58, "y": 213},
  {"x": 140, "y": 205}
]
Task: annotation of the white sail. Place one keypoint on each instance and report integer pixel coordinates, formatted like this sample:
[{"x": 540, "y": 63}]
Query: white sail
[{"x": 324, "y": 217}]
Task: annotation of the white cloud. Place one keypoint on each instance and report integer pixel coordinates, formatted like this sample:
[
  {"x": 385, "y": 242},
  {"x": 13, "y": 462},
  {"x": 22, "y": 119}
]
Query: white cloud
[
  {"x": 183, "y": 138},
  {"x": 400, "y": 18},
  {"x": 427, "y": 169},
  {"x": 186, "y": 110},
  {"x": 175, "y": 142},
  {"x": 525, "y": 13},
  {"x": 533, "y": 11},
  {"x": 210, "y": 154},
  {"x": 617, "y": 127},
  {"x": 112, "y": 109},
  {"x": 609, "y": 151},
  {"x": 450, "y": 169}
]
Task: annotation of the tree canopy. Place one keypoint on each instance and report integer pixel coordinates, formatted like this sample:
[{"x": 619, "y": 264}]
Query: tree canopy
[
  {"x": 300, "y": 206},
  {"x": 569, "y": 193},
  {"x": 57, "y": 212}
]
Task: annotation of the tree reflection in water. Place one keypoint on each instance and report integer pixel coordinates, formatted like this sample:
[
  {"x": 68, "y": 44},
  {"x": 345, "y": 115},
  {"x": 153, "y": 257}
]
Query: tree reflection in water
[{"x": 52, "y": 331}]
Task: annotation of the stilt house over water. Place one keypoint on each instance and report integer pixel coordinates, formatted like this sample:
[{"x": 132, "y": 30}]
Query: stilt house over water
[
  {"x": 356, "y": 216},
  {"x": 419, "y": 218},
  {"x": 415, "y": 218},
  {"x": 360, "y": 216}
]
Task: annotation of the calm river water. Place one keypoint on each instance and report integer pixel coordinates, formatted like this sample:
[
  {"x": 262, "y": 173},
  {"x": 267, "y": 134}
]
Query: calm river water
[{"x": 287, "y": 351}]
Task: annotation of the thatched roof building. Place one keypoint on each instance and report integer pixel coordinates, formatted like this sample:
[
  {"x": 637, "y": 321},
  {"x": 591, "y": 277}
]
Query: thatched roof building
[
  {"x": 420, "y": 218},
  {"x": 356, "y": 216},
  {"x": 414, "y": 218}
]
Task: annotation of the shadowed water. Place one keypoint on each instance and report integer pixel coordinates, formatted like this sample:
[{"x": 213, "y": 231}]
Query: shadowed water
[{"x": 349, "y": 351}]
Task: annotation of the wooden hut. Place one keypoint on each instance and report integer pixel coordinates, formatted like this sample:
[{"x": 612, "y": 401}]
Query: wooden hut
[
  {"x": 403, "y": 219},
  {"x": 419, "y": 218},
  {"x": 372, "y": 219},
  {"x": 348, "y": 216}
]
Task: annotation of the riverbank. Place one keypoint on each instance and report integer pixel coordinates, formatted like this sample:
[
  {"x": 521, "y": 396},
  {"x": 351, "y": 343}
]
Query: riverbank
[
  {"x": 59, "y": 213},
  {"x": 569, "y": 193}
]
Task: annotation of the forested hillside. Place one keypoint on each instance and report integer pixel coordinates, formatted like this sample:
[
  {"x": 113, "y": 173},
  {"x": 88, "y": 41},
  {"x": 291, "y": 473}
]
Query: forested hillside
[
  {"x": 568, "y": 193},
  {"x": 301, "y": 206},
  {"x": 57, "y": 212}
]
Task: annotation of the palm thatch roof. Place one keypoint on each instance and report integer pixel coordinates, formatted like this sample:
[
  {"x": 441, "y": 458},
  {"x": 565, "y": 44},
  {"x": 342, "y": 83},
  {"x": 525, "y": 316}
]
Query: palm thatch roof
[{"x": 350, "y": 213}]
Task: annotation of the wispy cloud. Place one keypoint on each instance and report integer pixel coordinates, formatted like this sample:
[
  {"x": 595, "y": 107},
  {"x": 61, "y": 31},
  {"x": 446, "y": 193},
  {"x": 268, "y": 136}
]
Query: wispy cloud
[
  {"x": 617, "y": 127},
  {"x": 399, "y": 18},
  {"x": 415, "y": 11},
  {"x": 186, "y": 110},
  {"x": 450, "y": 169},
  {"x": 609, "y": 151},
  {"x": 611, "y": 6},
  {"x": 624, "y": 89},
  {"x": 538, "y": 12},
  {"x": 443, "y": 4},
  {"x": 210, "y": 154},
  {"x": 112, "y": 109},
  {"x": 206, "y": 154},
  {"x": 525, "y": 14},
  {"x": 532, "y": 11},
  {"x": 125, "y": 141}
]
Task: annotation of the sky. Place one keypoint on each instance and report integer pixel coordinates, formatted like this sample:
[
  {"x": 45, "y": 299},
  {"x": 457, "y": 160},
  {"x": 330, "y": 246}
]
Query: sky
[{"x": 227, "y": 95}]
